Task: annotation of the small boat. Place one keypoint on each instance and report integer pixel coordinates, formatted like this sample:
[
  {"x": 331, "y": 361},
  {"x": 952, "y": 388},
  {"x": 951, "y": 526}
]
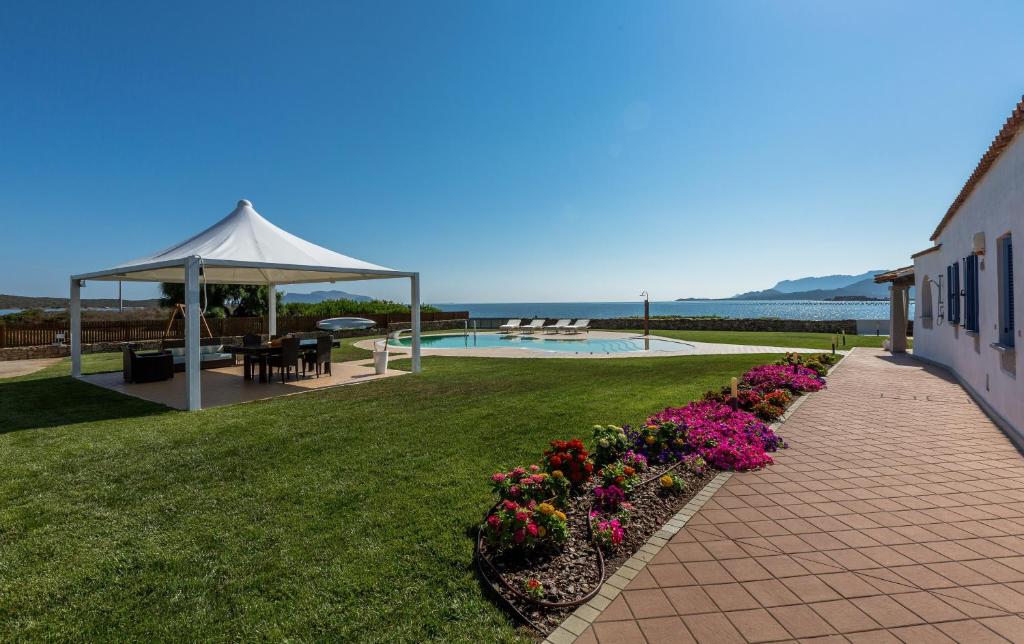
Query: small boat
[{"x": 345, "y": 324}]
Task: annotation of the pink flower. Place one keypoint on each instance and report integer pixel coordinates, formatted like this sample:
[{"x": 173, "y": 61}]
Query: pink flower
[
  {"x": 498, "y": 477},
  {"x": 532, "y": 529},
  {"x": 494, "y": 521},
  {"x": 534, "y": 468},
  {"x": 519, "y": 536}
]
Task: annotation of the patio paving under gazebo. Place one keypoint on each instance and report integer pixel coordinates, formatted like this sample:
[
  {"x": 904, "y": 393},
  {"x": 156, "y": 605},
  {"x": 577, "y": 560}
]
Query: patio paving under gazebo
[{"x": 226, "y": 386}]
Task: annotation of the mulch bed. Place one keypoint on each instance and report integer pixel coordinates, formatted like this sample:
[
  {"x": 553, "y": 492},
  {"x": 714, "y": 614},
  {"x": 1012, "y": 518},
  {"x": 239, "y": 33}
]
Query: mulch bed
[{"x": 573, "y": 572}]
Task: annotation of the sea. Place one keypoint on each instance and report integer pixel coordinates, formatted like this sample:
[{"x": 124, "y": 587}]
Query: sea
[{"x": 784, "y": 309}]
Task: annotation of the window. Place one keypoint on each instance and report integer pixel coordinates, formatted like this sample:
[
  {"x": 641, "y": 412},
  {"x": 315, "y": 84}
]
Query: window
[
  {"x": 971, "y": 312},
  {"x": 1005, "y": 259},
  {"x": 953, "y": 293}
]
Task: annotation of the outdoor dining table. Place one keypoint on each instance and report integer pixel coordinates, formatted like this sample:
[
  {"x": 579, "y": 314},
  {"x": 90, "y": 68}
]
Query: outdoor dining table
[{"x": 261, "y": 354}]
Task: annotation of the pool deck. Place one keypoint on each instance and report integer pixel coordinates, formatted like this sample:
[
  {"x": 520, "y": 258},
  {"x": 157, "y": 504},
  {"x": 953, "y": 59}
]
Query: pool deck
[{"x": 687, "y": 348}]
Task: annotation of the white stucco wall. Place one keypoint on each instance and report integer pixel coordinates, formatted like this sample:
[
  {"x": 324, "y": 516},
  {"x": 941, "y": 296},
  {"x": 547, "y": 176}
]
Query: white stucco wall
[{"x": 995, "y": 207}]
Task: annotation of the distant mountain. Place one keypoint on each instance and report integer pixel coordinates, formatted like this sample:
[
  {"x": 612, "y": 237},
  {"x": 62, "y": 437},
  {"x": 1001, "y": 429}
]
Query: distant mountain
[
  {"x": 320, "y": 296},
  {"x": 822, "y": 288},
  {"x": 824, "y": 283}
]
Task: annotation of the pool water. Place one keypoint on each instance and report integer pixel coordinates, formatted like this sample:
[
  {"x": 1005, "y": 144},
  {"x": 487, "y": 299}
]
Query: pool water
[{"x": 563, "y": 344}]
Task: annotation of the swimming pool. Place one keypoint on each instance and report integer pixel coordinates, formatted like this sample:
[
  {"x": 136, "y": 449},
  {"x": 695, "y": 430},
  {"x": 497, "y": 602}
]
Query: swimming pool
[{"x": 565, "y": 344}]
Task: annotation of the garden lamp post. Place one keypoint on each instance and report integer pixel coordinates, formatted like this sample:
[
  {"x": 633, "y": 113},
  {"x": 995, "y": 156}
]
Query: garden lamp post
[{"x": 647, "y": 312}]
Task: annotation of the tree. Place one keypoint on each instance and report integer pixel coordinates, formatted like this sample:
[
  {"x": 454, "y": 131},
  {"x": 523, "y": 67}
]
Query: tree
[{"x": 221, "y": 300}]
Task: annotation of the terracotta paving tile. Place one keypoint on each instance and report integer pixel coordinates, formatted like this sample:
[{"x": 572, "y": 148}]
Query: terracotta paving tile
[
  {"x": 687, "y": 600},
  {"x": 969, "y": 602},
  {"x": 616, "y": 610},
  {"x": 844, "y": 616},
  {"x": 643, "y": 580},
  {"x": 922, "y": 634},
  {"x": 625, "y": 632},
  {"x": 970, "y": 631},
  {"x": 708, "y": 572},
  {"x": 848, "y": 584},
  {"x": 746, "y": 569},
  {"x": 810, "y": 589},
  {"x": 886, "y": 611},
  {"x": 587, "y": 637},
  {"x": 724, "y": 549},
  {"x": 801, "y": 621},
  {"x": 873, "y": 637},
  {"x": 648, "y": 603},
  {"x": 757, "y": 625},
  {"x": 1002, "y": 596},
  {"x": 771, "y": 592},
  {"x": 929, "y": 607},
  {"x": 667, "y": 575},
  {"x": 685, "y": 552},
  {"x": 1011, "y": 626},
  {"x": 922, "y": 577},
  {"x": 664, "y": 630},
  {"x": 959, "y": 574},
  {"x": 731, "y": 597},
  {"x": 713, "y": 628}
]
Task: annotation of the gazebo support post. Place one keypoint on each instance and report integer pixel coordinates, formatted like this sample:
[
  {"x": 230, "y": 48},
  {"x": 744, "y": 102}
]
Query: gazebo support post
[
  {"x": 415, "y": 318},
  {"x": 75, "y": 312},
  {"x": 898, "y": 301},
  {"x": 272, "y": 309},
  {"x": 192, "y": 376}
]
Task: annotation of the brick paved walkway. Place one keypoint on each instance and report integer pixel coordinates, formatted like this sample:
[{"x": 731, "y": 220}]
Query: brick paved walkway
[{"x": 897, "y": 514}]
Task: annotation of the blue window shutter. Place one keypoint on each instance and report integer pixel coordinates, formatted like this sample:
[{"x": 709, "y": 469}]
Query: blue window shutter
[
  {"x": 971, "y": 296},
  {"x": 956, "y": 293},
  {"x": 1009, "y": 288},
  {"x": 949, "y": 293}
]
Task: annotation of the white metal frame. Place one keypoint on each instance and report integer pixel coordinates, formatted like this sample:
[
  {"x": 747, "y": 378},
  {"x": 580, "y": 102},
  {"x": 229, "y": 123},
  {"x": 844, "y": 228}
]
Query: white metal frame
[{"x": 190, "y": 278}]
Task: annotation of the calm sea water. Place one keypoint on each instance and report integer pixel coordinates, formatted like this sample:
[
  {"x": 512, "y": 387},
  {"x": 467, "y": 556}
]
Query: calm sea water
[{"x": 787, "y": 310}]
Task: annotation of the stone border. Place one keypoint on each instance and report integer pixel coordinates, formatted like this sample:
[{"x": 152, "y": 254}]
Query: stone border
[{"x": 583, "y": 617}]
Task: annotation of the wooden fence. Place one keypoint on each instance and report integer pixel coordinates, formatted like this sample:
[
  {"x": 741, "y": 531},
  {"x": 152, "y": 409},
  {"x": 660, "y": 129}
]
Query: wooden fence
[{"x": 28, "y": 334}]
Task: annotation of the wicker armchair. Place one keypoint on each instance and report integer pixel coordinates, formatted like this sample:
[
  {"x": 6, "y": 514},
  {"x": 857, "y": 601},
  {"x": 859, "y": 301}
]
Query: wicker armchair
[{"x": 148, "y": 366}]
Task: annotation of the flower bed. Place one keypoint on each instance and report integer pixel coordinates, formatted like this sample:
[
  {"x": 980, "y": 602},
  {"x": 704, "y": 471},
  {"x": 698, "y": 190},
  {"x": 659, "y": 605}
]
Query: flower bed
[{"x": 557, "y": 528}]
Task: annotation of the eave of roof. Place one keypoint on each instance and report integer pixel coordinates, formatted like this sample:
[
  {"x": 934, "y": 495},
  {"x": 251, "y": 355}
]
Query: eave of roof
[
  {"x": 895, "y": 274},
  {"x": 926, "y": 251},
  {"x": 1002, "y": 140}
]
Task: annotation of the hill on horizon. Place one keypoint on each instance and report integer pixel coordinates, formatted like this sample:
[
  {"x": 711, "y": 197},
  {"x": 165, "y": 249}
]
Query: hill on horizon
[
  {"x": 826, "y": 287},
  {"x": 320, "y": 296}
]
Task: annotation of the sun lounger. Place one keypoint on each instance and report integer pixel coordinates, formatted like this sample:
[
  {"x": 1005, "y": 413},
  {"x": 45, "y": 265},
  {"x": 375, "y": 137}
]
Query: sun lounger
[
  {"x": 534, "y": 325},
  {"x": 557, "y": 326},
  {"x": 511, "y": 326},
  {"x": 577, "y": 326}
]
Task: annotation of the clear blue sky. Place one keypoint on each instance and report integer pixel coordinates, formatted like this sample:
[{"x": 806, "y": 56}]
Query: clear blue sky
[{"x": 508, "y": 151}]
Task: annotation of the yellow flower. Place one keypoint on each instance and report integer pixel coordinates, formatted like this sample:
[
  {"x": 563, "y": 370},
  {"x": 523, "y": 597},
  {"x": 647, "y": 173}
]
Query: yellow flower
[
  {"x": 543, "y": 475},
  {"x": 666, "y": 481},
  {"x": 541, "y": 530},
  {"x": 546, "y": 509},
  {"x": 560, "y": 515},
  {"x": 557, "y": 474},
  {"x": 679, "y": 441},
  {"x": 650, "y": 440}
]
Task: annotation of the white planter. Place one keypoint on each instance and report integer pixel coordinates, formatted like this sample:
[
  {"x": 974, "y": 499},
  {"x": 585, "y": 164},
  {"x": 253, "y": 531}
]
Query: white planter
[{"x": 380, "y": 361}]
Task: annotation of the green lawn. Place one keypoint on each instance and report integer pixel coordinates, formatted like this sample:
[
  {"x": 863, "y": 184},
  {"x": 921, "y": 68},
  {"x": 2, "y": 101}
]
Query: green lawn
[
  {"x": 773, "y": 339},
  {"x": 341, "y": 514}
]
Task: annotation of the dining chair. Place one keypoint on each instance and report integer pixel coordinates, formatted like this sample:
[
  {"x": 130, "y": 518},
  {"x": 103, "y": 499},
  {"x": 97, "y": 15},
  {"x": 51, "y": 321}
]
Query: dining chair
[
  {"x": 287, "y": 358},
  {"x": 323, "y": 354}
]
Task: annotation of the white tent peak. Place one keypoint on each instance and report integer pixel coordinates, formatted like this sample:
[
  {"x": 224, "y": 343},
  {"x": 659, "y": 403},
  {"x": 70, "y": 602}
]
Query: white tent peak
[{"x": 246, "y": 248}]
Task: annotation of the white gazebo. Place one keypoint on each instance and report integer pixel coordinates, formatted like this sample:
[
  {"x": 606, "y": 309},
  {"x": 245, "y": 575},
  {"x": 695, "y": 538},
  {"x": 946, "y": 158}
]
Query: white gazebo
[{"x": 242, "y": 248}]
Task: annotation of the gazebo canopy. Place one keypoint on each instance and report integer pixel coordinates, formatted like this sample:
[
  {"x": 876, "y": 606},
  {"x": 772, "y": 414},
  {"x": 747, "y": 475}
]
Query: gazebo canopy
[
  {"x": 242, "y": 248},
  {"x": 245, "y": 248}
]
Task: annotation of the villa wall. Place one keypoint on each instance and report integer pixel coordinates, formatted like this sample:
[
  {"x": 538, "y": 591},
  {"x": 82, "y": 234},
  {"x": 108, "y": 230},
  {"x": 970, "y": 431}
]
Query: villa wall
[{"x": 994, "y": 207}]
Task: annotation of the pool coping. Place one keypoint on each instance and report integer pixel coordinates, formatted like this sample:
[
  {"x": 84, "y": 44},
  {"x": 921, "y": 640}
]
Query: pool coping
[{"x": 693, "y": 348}]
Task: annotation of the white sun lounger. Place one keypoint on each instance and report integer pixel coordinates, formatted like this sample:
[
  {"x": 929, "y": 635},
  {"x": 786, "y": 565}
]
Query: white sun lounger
[
  {"x": 511, "y": 326},
  {"x": 533, "y": 326},
  {"x": 577, "y": 326},
  {"x": 557, "y": 326}
]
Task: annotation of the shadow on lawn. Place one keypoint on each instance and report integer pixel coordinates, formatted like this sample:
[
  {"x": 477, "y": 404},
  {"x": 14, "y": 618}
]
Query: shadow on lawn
[{"x": 51, "y": 401}]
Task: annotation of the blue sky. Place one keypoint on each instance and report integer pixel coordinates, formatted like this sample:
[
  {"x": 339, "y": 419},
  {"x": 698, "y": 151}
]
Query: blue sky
[{"x": 508, "y": 151}]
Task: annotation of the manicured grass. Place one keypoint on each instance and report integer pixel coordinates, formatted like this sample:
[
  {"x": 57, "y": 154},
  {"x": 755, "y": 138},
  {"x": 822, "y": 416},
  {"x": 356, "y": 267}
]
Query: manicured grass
[
  {"x": 773, "y": 339},
  {"x": 340, "y": 514}
]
